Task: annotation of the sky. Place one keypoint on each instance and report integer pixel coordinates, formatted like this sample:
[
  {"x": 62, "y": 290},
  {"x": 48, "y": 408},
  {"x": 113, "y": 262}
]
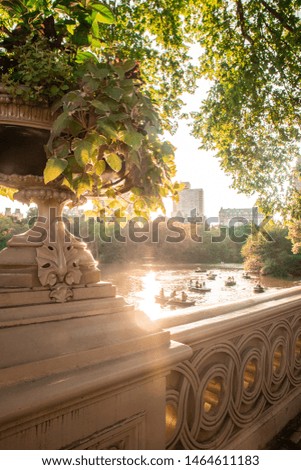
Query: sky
[{"x": 200, "y": 168}]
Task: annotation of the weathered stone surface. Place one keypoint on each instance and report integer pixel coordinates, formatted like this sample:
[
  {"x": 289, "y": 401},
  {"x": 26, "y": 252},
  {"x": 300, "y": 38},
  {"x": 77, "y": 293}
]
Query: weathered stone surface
[{"x": 87, "y": 374}]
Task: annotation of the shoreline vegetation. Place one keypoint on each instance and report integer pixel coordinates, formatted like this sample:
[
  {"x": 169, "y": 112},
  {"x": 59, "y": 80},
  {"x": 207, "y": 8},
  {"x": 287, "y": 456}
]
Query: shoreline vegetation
[{"x": 262, "y": 253}]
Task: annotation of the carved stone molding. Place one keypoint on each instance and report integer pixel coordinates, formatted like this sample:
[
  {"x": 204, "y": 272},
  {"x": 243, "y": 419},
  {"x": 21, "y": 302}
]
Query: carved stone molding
[
  {"x": 14, "y": 112},
  {"x": 128, "y": 434}
]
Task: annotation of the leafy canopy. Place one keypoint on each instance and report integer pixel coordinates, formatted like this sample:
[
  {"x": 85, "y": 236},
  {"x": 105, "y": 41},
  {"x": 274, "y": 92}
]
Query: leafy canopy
[
  {"x": 114, "y": 72},
  {"x": 154, "y": 34},
  {"x": 251, "y": 55},
  {"x": 251, "y": 117}
]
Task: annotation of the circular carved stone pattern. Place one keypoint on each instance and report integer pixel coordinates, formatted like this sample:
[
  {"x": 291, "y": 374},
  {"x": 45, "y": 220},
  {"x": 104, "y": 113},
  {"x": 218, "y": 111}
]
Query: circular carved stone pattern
[{"x": 227, "y": 386}]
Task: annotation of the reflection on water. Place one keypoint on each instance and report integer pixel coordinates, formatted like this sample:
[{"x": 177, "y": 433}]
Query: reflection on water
[{"x": 140, "y": 285}]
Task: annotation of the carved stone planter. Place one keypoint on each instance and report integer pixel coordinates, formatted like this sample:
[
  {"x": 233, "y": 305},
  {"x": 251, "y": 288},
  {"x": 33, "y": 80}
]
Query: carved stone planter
[{"x": 47, "y": 255}]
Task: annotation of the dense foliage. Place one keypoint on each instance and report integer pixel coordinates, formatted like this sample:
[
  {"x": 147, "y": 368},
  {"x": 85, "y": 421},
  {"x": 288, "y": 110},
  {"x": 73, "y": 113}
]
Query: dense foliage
[
  {"x": 251, "y": 53},
  {"x": 155, "y": 34},
  {"x": 251, "y": 117},
  {"x": 106, "y": 67},
  {"x": 162, "y": 240},
  {"x": 271, "y": 255},
  {"x": 10, "y": 226}
]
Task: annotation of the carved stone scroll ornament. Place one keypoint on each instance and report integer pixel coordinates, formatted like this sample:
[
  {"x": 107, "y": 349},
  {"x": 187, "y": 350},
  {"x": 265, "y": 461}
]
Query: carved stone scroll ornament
[
  {"x": 46, "y": 255},
  {"x": 58, "y": 268}
]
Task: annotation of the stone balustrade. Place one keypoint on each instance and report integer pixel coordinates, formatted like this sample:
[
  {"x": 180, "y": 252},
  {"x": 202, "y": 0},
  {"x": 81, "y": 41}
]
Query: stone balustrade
[{"x": 243, "y": 381}]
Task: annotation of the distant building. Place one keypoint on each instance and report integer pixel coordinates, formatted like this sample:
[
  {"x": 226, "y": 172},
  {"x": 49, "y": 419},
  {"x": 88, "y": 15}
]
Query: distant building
[
  {"x": 231, "y": 217},
  {"x": 190, "y": 204},
  {"x": 15, "y": 215}
]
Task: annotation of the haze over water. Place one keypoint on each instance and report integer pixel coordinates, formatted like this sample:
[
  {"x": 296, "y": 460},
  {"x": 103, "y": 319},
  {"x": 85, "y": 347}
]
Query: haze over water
[{"x": 140, "y": 284}]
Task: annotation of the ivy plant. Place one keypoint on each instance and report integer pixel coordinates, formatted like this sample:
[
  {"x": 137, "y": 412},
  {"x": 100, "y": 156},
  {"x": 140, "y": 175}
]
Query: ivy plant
[{"x": 105, "y": 139}]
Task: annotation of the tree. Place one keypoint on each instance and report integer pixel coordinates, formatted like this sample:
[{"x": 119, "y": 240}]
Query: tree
[
  {"x": 9, "y": 227},
  {"x": 158, "y": 35},
  {"x": 271, "y": 255},
  {"x": 251, "y": 117}
]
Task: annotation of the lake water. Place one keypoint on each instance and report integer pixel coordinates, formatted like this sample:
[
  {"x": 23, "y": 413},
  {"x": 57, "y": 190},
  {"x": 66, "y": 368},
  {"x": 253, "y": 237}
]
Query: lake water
[{"x": 140, "y": 285}]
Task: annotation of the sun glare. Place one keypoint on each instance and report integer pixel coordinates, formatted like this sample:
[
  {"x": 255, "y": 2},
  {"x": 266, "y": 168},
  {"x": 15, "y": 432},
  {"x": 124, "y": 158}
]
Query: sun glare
[{"x": 150, "y": 288}]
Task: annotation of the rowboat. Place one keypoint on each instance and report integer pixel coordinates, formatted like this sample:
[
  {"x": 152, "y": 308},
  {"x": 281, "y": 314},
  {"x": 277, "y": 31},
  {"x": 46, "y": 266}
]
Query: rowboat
[
  {"x": 181, "y": 303},
  {"x": 258, "y": 289},
  {"x": 230, "y": 281},
  {"x": 199, "y": 289},
  {"x": 200, "y": 270}
]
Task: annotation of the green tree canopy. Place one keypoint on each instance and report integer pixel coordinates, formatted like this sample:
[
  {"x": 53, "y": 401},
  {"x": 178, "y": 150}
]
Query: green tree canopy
[
  {"x": 251, "y": 53},
  {"x": 271, "y": 255},
  {"x": 76, "y": 56},
  {"x": 251, "y": 117}
]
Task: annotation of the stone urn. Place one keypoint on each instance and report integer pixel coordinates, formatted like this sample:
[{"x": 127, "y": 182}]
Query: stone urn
[{"x": 47, "y": 256}]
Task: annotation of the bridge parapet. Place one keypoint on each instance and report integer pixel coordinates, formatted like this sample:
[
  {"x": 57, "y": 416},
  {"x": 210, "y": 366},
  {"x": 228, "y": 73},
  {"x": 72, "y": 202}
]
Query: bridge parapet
[{"x": 243, "y": 381}]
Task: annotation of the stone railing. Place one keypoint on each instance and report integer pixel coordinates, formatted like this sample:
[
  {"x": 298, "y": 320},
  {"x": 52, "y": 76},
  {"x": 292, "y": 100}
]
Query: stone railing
[{"x": 243, "y": 381}]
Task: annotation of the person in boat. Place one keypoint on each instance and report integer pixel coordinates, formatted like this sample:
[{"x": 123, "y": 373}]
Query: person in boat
[
  {"x": 162, "y": 294},
  {"x": 183, "y": 296},
  {"x": 173, "y": 294},
  {"x": 197, "y": 283}
]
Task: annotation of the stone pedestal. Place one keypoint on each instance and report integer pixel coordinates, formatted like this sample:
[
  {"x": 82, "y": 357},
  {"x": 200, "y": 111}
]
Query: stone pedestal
[
  {"x": 79, "y": 368},
  {"x": 85, "y": 374}
]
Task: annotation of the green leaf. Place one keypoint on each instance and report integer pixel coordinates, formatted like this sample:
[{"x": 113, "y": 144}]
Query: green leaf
[
  {"x": 84, "y": 184},
  {"x": 54, "y": 168},
  {"x": 136, "y": 191},
  {"x": 83, "y": 152},
  {"x": 132, "y": 138},
  {"x": 114, "y": 92},
  {"x": 95, "y": 28},
  {"x": 80, "y": 37},
  {"x": 84, "y": 56},
  {"x": 129, "y": 65},
  {"x": 74, "y": 127},
  {"x": 120, "y": 117},
  {"x": 54, "y": 90},
  {"x": 114, "y": 161},
  {"x": 99, "y": 167},
  {"x": 108, "y": 128},
  {"x": 60, "y": 123},
  {"x": 104, "y": 13},
  {"x": 86, "y": 150},
  {"x": 101, "y": 106},
  {"x": 122, "y": 68},
  {"x": 67, "y": 183}
]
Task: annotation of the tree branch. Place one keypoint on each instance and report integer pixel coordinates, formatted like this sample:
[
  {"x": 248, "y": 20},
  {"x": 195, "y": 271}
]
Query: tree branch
[
  {"x": 241, "y": 21},
  {"x": 278, "y": 15}
]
